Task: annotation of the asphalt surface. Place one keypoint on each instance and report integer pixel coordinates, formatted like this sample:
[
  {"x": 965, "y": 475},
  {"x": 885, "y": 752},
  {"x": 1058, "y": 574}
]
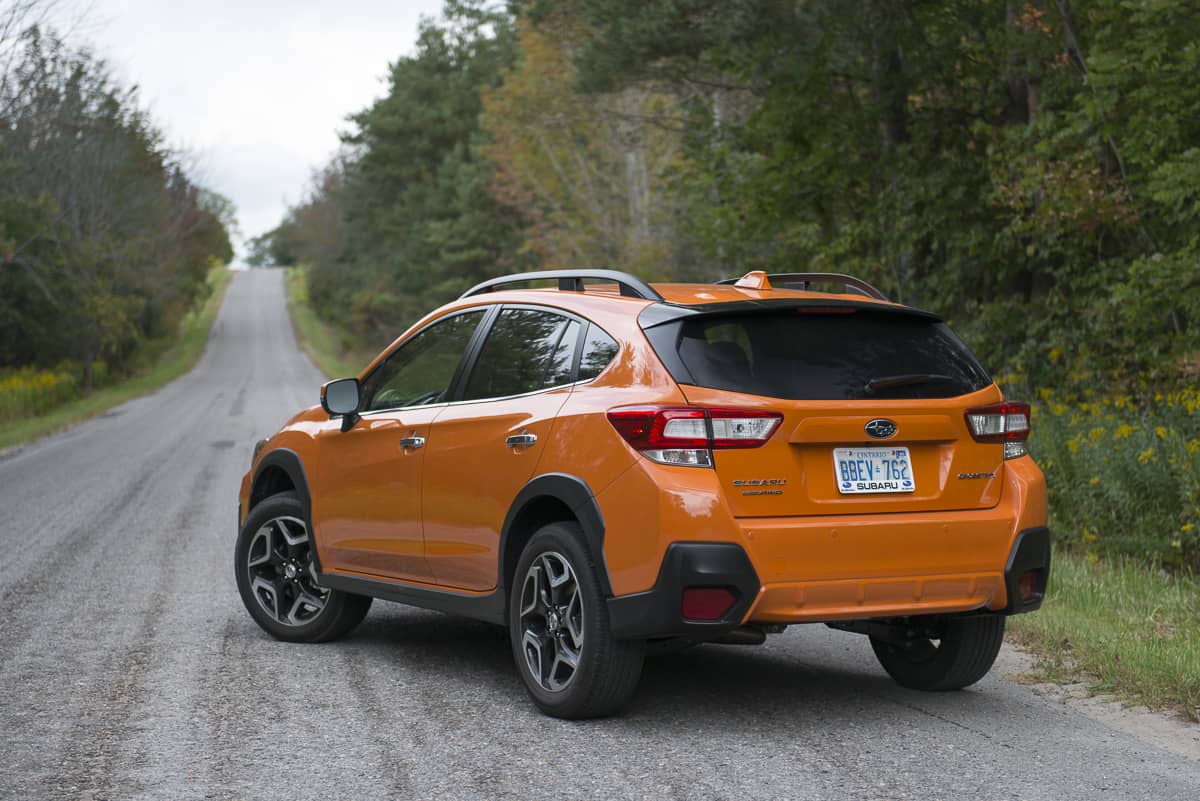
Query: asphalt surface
[{"x": 129, "y": 669}]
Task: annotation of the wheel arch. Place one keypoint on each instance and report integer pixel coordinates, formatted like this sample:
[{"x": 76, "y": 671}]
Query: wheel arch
[
  {"x": 281, "y": 470},
  {"x": 550, "y": 498}
]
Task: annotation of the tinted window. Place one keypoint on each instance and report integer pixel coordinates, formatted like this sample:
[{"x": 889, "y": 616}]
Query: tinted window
[
  {"x": 525, "y": 351},
  {"x": 816, "y": 356},
  {"x": 419, "y": 371},
  {"x": 598, "y": 350}
]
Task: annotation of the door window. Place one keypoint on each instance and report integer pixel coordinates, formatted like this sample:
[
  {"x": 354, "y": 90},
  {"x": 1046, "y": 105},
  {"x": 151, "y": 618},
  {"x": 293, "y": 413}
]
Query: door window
[
  {"x": 526, "y": 350},
  {"x": 419, "y": 372}
]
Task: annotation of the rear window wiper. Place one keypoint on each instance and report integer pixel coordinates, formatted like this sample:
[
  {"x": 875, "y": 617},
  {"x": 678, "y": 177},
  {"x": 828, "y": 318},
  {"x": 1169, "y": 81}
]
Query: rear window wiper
[{"x": 889, "y": 381}]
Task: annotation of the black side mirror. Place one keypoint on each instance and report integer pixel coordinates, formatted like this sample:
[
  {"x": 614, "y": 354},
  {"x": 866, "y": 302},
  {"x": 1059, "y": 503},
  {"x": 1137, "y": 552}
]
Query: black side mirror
[{"x": 342, "y": 397}]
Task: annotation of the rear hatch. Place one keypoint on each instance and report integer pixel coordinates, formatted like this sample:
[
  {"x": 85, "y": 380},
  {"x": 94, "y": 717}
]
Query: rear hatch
[{"x": 873, "y": 400}]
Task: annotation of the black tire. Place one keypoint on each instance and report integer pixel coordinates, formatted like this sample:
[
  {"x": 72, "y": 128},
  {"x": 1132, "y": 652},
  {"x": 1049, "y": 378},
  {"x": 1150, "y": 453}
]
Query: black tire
[
  {"x": 275, "y": 539},
  {"x": 606, "y": 672},
  {"x": 962, "y": 656}
]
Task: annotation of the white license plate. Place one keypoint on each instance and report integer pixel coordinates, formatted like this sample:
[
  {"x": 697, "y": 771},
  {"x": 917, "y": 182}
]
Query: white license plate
[{"x": 868, "y": 470}]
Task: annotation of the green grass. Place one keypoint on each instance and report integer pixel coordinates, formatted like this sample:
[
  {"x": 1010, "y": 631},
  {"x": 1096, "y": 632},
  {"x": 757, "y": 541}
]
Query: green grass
[
  {"x": 175, "y": 359},
  {"x": 1125, "y": 628},
  {"x": 320, "y": 340}
]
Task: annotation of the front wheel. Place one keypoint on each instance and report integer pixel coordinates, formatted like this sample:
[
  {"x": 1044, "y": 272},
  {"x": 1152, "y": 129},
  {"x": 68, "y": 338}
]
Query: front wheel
[
  {"x": 277, "y": 577},
  {"x": 959, "y": 653},
  {"x": 559, "y": 629}
]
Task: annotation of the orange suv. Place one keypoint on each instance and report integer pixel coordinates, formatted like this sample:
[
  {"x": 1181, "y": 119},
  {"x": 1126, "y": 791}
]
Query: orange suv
[{"x": 606, "y": 466}]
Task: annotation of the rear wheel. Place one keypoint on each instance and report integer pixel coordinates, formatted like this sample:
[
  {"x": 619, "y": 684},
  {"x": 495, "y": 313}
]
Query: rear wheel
[
  {"x": 558, "y": 626},
  {"x": 277, "y": 577},
  {"x": 959, "y": 652}
]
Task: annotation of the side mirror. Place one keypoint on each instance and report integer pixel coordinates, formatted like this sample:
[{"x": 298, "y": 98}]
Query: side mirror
[{"x": 341, "y": 396}]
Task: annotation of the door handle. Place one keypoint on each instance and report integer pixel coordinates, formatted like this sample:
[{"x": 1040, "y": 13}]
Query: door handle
[
  {"x": 412, "y": 443},
  {"x": 521, "y": 440}
]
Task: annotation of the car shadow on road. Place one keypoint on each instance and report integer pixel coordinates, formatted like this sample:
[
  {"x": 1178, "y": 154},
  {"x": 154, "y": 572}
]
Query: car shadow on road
[{"x": 796, "y": 677}]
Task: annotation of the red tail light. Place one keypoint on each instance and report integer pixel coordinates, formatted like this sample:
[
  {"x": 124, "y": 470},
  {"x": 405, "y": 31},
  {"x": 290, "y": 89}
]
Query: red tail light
[
  {"x": 1006, "y": 422},
  {"x": 686, "y": 435}
]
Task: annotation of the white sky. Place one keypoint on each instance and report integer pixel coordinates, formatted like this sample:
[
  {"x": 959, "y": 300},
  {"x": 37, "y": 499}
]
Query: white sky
[{"x": 255, "y": 90}]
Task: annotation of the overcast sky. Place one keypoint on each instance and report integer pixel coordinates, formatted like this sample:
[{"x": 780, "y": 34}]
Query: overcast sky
[{"x": 258, "y": 89}]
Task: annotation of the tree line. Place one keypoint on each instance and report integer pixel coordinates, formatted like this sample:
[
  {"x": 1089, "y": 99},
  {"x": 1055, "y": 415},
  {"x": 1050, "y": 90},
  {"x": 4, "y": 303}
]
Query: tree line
[
  {"x": 1029, "y": 170},
  {"x": 105, "y": 239}
]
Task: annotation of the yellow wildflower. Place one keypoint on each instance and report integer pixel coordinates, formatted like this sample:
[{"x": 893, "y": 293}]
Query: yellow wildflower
[
  {"x": 1088, "y": 536},
  {"x": 1161, "y": 431},
  {"x": 1095, "y": 480},
  {"x": 1146, "y": 456},
  {"x": 1092, "y": 558}
]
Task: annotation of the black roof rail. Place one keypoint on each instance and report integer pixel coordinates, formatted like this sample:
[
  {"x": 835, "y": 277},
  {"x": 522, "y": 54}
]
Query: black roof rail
[
  {"x": 803, "y": 280},
  {"x": 572, "y": 281}
]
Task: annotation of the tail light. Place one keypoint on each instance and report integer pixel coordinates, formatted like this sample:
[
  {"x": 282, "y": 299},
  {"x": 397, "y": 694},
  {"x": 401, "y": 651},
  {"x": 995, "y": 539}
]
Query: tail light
[
  {"x": 687, "y": 435},
  {"x": 1006, "y": 422}
]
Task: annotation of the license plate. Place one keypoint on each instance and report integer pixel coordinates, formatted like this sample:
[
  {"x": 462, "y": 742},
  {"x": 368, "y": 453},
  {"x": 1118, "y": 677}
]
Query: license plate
[{"x": 869, "y": 470}]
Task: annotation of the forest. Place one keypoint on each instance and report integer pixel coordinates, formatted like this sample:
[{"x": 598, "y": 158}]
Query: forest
[
  {"x": 1030, "y": 171},
  {"x": 105, "y": 239}
]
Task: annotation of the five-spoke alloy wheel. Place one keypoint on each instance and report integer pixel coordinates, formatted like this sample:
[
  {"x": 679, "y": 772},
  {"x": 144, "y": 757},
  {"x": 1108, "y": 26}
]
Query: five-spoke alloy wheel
[
  {"x": 282, "y": 575},
  {"x": 278, "y": 581},
  {"x": 551, "y": 621}
]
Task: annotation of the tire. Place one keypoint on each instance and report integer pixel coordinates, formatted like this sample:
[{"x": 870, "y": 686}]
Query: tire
[
  {"x": 962, "y": 656},
  {"x": 571, "y": 627},
  {"x": 276, "y": 577}
]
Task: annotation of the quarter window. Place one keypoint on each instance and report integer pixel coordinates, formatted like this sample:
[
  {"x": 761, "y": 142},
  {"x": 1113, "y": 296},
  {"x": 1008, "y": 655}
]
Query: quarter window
[
  {"x": 598, "y": 350},
  {"x": 526, "y": 350},
  {"x": 419, "y": 372}
]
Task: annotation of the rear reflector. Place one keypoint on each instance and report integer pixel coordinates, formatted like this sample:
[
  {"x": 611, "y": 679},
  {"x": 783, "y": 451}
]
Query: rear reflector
[
  {"x": 1028, "y": 584},
  {"x": 707, "y": 603},
  {"x": 1006, "y": 422},
  {"x": 687, "y": 435}
]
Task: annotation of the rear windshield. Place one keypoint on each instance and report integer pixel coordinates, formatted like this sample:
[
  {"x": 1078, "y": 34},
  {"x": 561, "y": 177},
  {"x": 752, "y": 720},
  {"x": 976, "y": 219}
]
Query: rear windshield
[{"x": 802, "y": 355}]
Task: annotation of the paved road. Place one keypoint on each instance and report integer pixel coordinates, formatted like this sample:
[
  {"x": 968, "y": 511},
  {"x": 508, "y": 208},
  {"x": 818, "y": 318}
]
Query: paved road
[{"x": 129, "y": 670}]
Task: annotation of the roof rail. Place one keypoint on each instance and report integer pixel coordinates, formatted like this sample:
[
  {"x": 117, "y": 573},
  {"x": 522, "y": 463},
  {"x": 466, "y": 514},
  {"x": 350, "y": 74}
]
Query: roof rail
[
  {"x": 803, "y": 280},
  {"x": 572, "y": 281}
]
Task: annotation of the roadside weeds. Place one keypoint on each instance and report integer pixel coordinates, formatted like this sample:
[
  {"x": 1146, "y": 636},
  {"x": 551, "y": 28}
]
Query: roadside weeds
[
  {"x": 1118, "y": 628},
  {"x": 317, "y": 338},
  {"x": 176, "y": 359}
]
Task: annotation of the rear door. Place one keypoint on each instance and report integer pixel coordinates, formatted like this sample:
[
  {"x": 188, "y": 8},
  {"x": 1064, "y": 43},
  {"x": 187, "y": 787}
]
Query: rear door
[
  {"x": 873, "y": 404},
  {"x": 485, "y": 447}
]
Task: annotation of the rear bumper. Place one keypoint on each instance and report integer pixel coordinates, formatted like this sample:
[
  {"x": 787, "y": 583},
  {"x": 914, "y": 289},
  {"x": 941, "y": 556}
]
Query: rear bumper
[{"x": 657, "y": 611}]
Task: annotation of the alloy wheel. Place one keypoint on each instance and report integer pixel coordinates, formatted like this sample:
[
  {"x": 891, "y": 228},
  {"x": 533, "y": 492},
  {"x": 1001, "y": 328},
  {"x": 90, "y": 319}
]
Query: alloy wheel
[
  {"x": 551, "y": 621},
  {"x": 282, "y": 577}
]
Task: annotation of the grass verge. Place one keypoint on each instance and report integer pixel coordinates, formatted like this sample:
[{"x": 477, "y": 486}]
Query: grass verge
[
  {"x": 175, "y": 359},
  {"x": 319, "y": 340},
  {"x": 1123, "y": 628}
]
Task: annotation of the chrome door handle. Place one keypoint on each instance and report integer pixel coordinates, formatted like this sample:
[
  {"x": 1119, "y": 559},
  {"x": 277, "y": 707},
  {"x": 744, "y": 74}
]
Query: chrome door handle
[
  {"x": 521, "y": 440},
  {"x": 412, "y": 443}
]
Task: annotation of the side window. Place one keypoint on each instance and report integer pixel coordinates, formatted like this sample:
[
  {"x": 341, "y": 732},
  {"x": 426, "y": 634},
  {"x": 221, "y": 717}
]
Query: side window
[
  {"x": 525, "y": 351},
  {"x": 598, "y": 350},
  {"x": 419, "y": 371}
]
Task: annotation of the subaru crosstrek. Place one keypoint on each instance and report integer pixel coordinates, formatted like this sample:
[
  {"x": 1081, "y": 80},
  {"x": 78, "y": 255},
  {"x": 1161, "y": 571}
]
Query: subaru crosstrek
[{"x": 605, "y": 466}]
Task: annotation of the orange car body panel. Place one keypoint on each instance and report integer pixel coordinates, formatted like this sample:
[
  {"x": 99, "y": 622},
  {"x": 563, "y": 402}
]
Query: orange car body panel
[{"x": 433, "y": 517}]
